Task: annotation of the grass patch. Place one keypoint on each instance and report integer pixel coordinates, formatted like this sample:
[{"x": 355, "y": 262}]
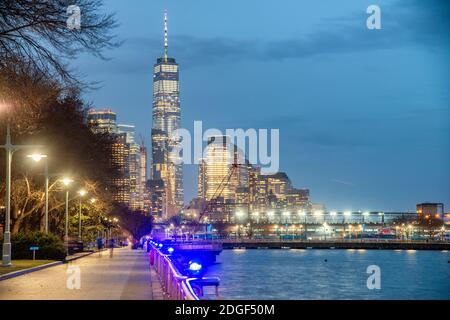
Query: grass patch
[{"x": 23, "y": 264}]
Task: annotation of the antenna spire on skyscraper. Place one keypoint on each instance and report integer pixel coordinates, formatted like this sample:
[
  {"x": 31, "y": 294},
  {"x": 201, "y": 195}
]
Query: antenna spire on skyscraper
[{"x": 166, "y": 37}]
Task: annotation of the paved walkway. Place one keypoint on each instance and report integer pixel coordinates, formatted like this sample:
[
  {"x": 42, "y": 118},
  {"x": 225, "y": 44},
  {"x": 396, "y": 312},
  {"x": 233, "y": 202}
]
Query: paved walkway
[{"x": 123, "y": 275}]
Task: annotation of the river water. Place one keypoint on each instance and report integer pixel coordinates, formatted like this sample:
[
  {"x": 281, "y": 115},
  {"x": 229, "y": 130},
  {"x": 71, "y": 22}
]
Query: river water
[{"x": 331, "y": 274}]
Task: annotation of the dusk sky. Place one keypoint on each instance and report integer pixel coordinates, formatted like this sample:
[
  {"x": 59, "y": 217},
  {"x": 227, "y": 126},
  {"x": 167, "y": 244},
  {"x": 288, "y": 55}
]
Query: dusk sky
[{"x": 363, "y": 114}]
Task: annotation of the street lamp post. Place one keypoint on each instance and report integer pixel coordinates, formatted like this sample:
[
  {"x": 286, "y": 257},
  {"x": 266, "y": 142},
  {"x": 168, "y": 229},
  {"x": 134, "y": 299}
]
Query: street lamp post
[
  {"x": 66, "y": 182},
  {"x": 37, "y": 158},
  {"x": 82, "y": 192},
  {"x": 9, "y": 149}
]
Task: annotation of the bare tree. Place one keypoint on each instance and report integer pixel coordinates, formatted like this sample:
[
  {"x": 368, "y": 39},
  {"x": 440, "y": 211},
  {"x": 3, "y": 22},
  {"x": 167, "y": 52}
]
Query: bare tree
[{"x": 36, "y": 32}]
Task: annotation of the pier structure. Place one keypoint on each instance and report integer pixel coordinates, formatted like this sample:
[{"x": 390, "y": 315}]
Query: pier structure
[{"x": 381, "y": 244}]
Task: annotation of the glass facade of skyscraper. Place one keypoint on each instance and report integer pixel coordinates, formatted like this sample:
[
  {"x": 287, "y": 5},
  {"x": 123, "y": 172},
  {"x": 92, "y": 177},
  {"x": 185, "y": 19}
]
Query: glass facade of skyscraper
[{"x": 166, "y": 119}]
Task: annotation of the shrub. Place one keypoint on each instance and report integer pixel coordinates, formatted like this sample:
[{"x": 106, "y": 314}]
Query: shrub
[{"x": 50, "y": 246}]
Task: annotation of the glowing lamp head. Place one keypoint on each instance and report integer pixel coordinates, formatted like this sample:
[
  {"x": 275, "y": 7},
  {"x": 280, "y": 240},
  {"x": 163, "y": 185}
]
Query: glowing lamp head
[
  {"x": 347, "y": 213},
  {"x": 301, "y": 213},
  {"x": 37, "y": 156},
  {"x": 170, "y": 250},
  {"x": 82, "y": 192},
  {"x": 318, "y": 212},
  {"x": 67, "y": 181},
  {"x": 270, "y": 213},
  {"x": 333, "y": 213},
  {"x": 366, "y": 213},
  {"x": 286, "y": 213}
]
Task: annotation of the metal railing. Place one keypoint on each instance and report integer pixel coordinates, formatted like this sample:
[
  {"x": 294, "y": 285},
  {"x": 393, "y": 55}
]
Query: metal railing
[{"x": 175, "y": 285}]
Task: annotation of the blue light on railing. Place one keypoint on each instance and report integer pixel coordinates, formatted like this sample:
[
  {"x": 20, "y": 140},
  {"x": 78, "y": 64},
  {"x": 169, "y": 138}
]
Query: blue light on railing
[
  {"x": 160, "y": 245},
  {"x": 170, "y": 250},
  {"x": 194, "y": 266}
]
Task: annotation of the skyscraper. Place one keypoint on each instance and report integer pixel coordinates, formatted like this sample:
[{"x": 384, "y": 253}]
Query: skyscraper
[
  {"x": 221, "y": 172},
  {"x": 143, "y": 195},
  {"x": 132, "y": 165},
  {"x": 166, "y": 119},
  {"x": 129, "y": 158},
  {"x": 104, "y": 122}
]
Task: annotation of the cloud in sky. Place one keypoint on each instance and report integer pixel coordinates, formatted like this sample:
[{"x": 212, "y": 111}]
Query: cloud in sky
[{"x": 404, "y": 23}]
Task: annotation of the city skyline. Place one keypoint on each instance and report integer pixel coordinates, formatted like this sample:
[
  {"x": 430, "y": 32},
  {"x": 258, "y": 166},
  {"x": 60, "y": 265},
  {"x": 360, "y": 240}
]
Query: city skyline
[
  {"x": 323, "y": 136},
  {"x": 238, "y": 153}
]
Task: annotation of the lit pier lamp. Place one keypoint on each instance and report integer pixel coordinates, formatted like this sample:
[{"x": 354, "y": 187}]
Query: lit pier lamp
[
  {"x": 255, "y": 215},
  {"x": 347, "y": 214},
  {"x": 239, "y": 216},
  {"x": 286, "y": 215},
  {"x": 365, "y": 215},
  {"x": 318, "y": 214},
  {"x": 381, "y": 214}
]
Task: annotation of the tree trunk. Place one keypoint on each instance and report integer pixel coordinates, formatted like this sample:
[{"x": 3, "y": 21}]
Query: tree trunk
[{"x": 15, "y": 225}]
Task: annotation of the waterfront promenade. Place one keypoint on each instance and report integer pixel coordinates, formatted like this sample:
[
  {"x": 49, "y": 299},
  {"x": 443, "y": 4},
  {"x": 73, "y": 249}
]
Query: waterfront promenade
[
  {"x": 335, "y": 244},
  {"x": 124, "y": 275}
]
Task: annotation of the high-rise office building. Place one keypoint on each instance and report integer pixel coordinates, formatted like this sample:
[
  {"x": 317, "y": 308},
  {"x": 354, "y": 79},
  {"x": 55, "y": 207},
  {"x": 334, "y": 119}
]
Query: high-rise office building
[
  {"x": 127, "y": 157},
  {"x": 102, "y": 121},
  {"x": 221, "y": 172},
  {"x": 216, "y": 169},
  {"x": 120, "y": 156},
  {"x": 132, "y": 165},
  {"x": 143, "y": 194},
  {"x": 105, "y": 121},
  {"x": 166, "y": 119}
]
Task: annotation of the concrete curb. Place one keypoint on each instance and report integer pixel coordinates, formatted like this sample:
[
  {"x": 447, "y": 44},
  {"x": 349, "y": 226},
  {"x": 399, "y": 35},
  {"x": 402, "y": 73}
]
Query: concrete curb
[
  {"x": 85, "y": 254},
  {"x": 44, "y": 266},
  {"x": 29, "y": 270},
  {"x": 79, "y": 257}
]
